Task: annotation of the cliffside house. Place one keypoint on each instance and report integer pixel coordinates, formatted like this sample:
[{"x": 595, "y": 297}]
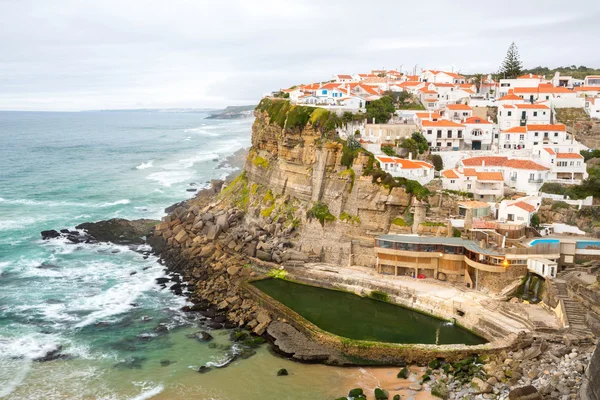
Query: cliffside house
[
  {"x": 478, "y": 133},
  {"x": 485, "y": 186},
  {"x": 521, "y": 114},
  {"x": 443, "y": 134},
  {"x": 415, "y": 170},
  {"x": 342, "y": 78},
  {"x": 457, "y": 112},
  {"x": 477, "y": 264},
  {"x": 592, "y": 107},
  {"x": 534, "y": 136},
  {"x": 433, "y": 76},
  {"x": 518, "y": 211}
]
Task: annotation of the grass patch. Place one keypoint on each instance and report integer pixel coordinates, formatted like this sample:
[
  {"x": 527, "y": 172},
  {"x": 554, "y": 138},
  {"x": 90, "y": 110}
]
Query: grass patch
[
  {"x": 353, "y": 219},
  {"x": 260, "y": 162},
  {"x": 349, "y": 172},
  {"x": 557, "y": 205},
  {"x": 266, "y": 212},
  {"x": 268, "y": 197},
  {"x": 237, "y": 191},
  {"x": 433, "y": 224},
  {"x": 379, "y": 295},
  {"x": 277, "y": 273}
]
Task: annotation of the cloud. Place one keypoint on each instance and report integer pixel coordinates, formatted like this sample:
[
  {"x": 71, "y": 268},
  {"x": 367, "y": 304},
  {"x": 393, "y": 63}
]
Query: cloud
[{"x": 82, "y": 54}]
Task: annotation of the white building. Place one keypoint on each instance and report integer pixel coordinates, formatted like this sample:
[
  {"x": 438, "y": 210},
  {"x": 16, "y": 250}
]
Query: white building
[
  {"x": 522, "y": 81},
  {"x": 443, "y": 134},
  {"x": 485, "y": 186},
  {"x": 592, "y": 106},
  {"x": 457, "y": 112},
  {"x": 341, "y": 78},
  {"x": 592, "y": 80},
  {"x": 518, "y": 211},
  {"x": 510, "y": 116},
  {"x": 433, "y": 76},
  {"x": 533, "y": 136},
  {"x": 415, "y": 170},
  {"x": 565, "y": 167},
  {"x": 478, "y": 133}
]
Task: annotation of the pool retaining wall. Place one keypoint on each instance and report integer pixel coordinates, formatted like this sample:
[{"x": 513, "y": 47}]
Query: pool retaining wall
[{"x": 389, "y": 353}]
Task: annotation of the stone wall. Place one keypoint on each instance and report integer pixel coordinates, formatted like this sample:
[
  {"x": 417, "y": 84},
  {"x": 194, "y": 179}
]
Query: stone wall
[
  {"x": 590, "y": 387},
  {"x": 495, "y": 282}
]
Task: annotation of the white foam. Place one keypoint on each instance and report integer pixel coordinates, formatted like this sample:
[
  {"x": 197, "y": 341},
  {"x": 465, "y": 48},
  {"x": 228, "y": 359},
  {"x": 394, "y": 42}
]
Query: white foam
[
  {"x": 49, "y": 203},
  {"x": 168, "y": 178},
  {"x": 149, "y": 393},
  {"x": 4, "y": 265},
  {"x": 20, "y": 222},
  {"x": 146, "y": 165},
  {"x": 189, "y": 162},
  {"x": 17, "y": 378},
  {"x": 203, "y": 131}
]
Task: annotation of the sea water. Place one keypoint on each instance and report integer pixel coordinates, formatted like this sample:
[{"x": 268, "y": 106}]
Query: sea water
[{"x": 98, "y": 305}]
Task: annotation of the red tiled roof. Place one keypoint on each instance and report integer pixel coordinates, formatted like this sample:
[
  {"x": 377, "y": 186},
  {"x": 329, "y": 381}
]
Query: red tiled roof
[
  {"x": 449, "y": 173},
  {"x": 340, "y": 76},
  {"x": 493, "y": 161},
  {"x": 532, "y": 106},
  {"x": 587, "y": 89},
  {"x": 530, "y": 76},
  {"x": 490, "y": 176},
  {"x": 546, "y": 127},
  {"x": 516, "y": 129},
  {"x": 458, "y": 107},
  {"x": 432, "y": 115},
  {"x": 568, "y": 155},
  {"x": 476, "y": 120},
  {"x": 524, "y": 164},
  {"x": 469, "y": 172},
  {"x": 525, "y": 206},
  {"x": 550, "y": 151},
  {"x": 442, "y": 123},
  {"x": 510, "y": 96}
]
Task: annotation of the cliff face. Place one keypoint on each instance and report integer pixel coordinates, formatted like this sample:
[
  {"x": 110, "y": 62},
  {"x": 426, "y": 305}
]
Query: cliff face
[{"x": 303, "y": 164}]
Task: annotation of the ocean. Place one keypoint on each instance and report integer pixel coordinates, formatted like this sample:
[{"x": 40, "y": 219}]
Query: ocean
[{"x": 98, "y": 305}]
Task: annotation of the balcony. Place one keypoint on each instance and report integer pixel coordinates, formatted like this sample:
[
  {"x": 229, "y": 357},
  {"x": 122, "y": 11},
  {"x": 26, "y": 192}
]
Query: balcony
[{"x": 536, "y": 181}]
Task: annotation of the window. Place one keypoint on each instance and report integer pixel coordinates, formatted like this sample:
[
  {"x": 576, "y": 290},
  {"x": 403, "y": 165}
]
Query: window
[
  {"x": 452, "y": 181},
  {"x": 459, "y": 134},
  {"x": 449, "y": 144},
  {"x": 429, "y": 131},
  {"x": 449, "y": 133},
  {"x": 571, "y": 163},
  {"x": 469, "y": 186},
  {"x": 562, "y": 163},
  {"x": 545, "y": 134},
  {"x": 536, "y": 134},
  {"x": 521, "y": 137},
  {"x": 535, "y": 143},
  {"x": 509, "y": 113},
  {"x": 439, "y": 144},
  {"x": 555, "y": 134},
  {"x": 535, "y": 113},
  {"x": 511, "y": 217},
  {"x": 439, "y": 133}
]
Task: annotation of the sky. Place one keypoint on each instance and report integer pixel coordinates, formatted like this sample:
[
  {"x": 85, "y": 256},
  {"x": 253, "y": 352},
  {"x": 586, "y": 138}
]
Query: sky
[{"x": 115, "y": 54}]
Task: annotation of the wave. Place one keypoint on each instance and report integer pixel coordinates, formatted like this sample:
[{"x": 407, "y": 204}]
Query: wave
[
  {"x": 204, "y": 131},
  {"x": 20, "y": 223},
  {"x": 149, "y": 164},
  {"x": 149, "y": 393},
  {"x": 15, "y": 379},
  {"x": 168, "y": 178},
  {"x": 49, "y": 203}
]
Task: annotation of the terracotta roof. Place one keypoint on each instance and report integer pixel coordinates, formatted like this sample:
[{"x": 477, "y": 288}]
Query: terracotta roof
[
  {"x": 442, "y": 123},
  {"x": 550, "y": 151},
  {"x": 469, "y": 172},
  {"x": 507, "y": 106},
  {"x": 476, "y": 120},
  {"x": 458, "y": 107},
  {"x": 340, "y": 76},
  {"x": 490, "y": 176},
  {"x": 525, "y": 206},
  {"x": 385, "y": 159},
  {"x": 427, "y": 91},
  {"x": 369, "y": 89},
  {"x": 530, "y": 76},
  {"x": 525, "y": 90},
  {"x": 492, "y": 161},
  {"x": 444, "y": 84},
  {"x": 532, "y": 106},
  {"x": 587, "y": 89},
  {"x": 524, "y": 164},
  {"x": 432, "y": 115},
  {"x": 330, "y": 86},
  {"x": 510, "y": 96},
  {"x": 412, "y": 77},
  {"x": 412, "y": 164},
  {"x": 568, "y": 155},
  {"x": 473, "y": 204},
  {"x": 516, "y": 129},
  {"x": 449, "y": 173},
  {"x": 431, "y": 100},
  {"x": 546, "y": 127},
  {"x": 549, "y": 88}
]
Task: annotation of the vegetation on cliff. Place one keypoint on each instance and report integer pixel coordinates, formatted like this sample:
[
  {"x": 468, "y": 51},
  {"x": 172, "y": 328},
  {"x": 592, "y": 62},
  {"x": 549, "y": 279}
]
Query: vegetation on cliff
[
  {"x": 380, "y": 110},
  {"x": 321, "y": 212},
  {"x": 295, "y": 117}
]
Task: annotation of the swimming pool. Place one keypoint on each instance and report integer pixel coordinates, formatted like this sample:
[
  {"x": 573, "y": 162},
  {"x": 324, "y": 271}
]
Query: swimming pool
[{"x": 543, "y": 241}]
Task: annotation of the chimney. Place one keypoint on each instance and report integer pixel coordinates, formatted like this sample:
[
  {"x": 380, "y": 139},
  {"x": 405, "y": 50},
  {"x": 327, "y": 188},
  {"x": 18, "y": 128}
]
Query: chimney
[{"x": 410, "y": 155}]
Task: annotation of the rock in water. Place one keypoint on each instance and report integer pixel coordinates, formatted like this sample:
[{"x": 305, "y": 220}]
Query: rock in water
[
  {"x": 282, "y": 372},
  {"x": 381, "y": 394},
  {"x": 50, "y": 234},
  {"x": 119, "y": 231}
]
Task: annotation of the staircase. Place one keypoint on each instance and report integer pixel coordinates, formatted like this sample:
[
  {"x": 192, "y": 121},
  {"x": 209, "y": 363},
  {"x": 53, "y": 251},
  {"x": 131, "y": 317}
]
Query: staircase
[{"x": 573, "y": 310}]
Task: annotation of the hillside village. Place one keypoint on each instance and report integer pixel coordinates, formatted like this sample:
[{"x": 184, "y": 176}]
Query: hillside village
[{"x": 506, "y": 178}]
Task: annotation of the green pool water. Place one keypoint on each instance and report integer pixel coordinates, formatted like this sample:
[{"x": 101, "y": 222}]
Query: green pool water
[{"x": 354, "y": 317}]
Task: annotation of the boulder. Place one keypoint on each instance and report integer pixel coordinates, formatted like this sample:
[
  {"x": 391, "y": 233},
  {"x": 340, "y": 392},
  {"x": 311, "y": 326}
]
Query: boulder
[
  {"x": 222, "y": 222},
  {"x": 481, "y": 386},
  {"x": 207, "y": 250},
  {"x": 212, "y": 232},
  {"x": 120, "y": 231},
  {"x": 182, "y": 236},
  {"x": 282, "y": 372},
  {"x": 404, "y": 373},
  {"x": 293, "y": 255},
  {"x": 50, "y": 234},
  {"x": 233, "y": 270},
  {"x": 263, "y": 255},
  {"x": 525, "y": 393},
  {"x": 381, "y": 394}
]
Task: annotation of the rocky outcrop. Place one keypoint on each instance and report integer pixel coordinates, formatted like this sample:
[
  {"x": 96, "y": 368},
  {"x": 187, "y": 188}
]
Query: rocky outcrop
[
  {"x": 590, "y": 387},
  {"x": 119, "y": 231}
]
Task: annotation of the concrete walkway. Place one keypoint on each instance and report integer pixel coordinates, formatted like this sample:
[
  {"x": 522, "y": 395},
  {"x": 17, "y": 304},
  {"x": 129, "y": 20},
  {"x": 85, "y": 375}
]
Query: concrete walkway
[{"x": 475, "y": 301}]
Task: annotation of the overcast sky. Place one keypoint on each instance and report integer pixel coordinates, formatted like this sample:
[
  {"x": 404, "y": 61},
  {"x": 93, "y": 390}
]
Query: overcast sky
[{"x": 79, "y": 54}]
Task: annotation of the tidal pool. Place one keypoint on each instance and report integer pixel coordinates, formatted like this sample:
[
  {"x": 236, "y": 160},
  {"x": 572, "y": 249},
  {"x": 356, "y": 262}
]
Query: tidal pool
[{"x": 354, "y": 317}]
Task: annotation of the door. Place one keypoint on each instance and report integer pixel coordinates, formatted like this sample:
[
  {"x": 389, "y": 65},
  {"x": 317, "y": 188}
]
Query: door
[{"x": 476, "y": 145}]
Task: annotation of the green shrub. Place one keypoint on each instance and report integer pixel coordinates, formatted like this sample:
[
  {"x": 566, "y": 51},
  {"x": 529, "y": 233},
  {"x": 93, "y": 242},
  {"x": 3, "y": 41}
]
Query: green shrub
[
  {"x": 428, "y": 223},
  {"x": 456, "y": 232},
  {"x": 381, "y": 110},
  {"x": 277, "y": 273},
  {"x": 535, "y": 220},
  {"x": 440, "y": 389},
  {"x": 353, "y": 219},
  {"x": 349, "y": 172},
  {"x": 260, "y": 162},
  {"x": 356, "y": 393},
  {"x": 268, "y": 197},
  {"x": 437, "y": 161},
  {"x": 399, "y": 222},
  {"x": 321, "y": 212},
  {"x": 266, "y": 212},
  {"x": 379, "y": 295},
  {"x": 389, "y": 150},
  {"x": 381, "y": 394},
  {"x": 434, "y": 364},
  {"x": 557, "y": 205},
  {"x": 421, "y": 142}
]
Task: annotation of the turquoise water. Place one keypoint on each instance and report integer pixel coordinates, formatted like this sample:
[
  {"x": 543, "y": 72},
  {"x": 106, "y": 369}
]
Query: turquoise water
[
  {"x": 588, "y": 244},
  {"x": 98, "y": 303},
  {"x": 543, "y": 241},
  {"x": 354, "y": 317}
]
